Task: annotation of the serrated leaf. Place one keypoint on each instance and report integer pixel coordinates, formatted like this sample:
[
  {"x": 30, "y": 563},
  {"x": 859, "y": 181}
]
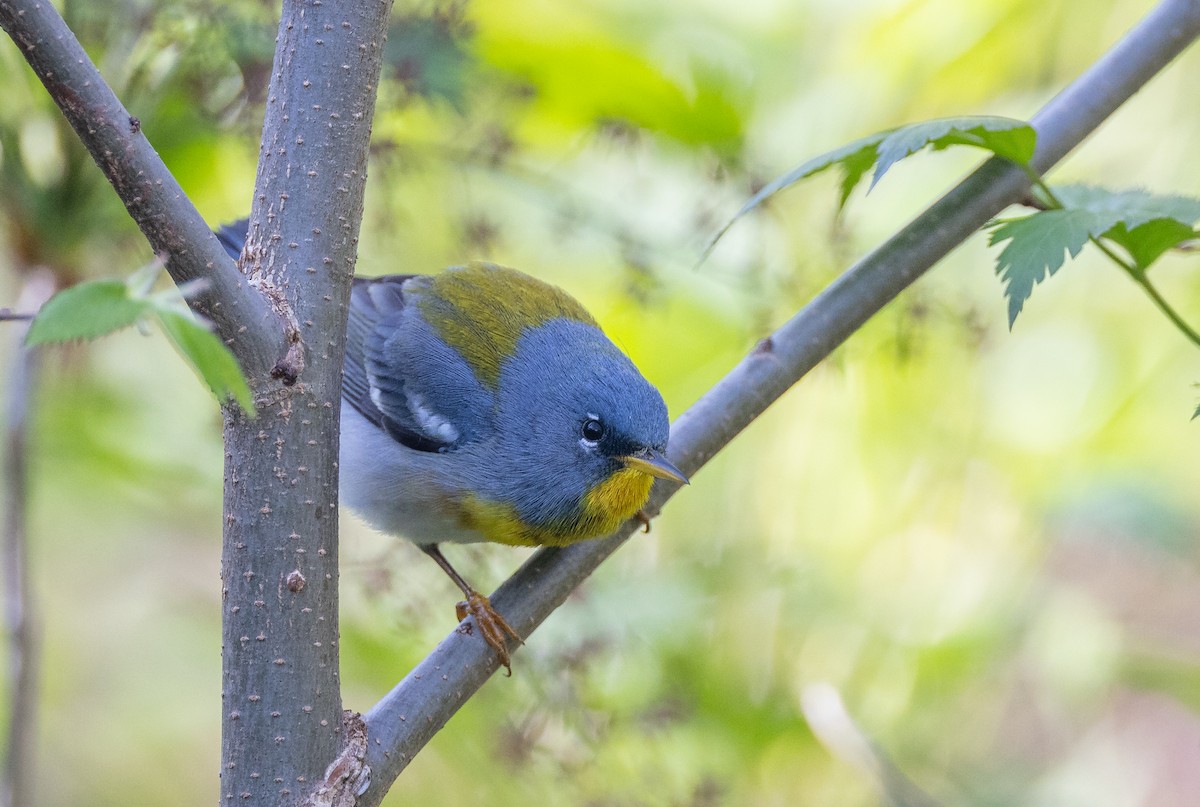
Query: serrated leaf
[
  {"x": 1038, "y": 245},
  {"x": 854, "y": 168},
  {"x": 856, "y": 157},
  {"x": 1005, "y": 137},
  {"x": 86, "y": 311},
  {"x": 1148, "y": 223},
  {"x": 1145, "y": 224},
  {"x": 1135, "y": 205},
  {"x": 208, "y": 355}
]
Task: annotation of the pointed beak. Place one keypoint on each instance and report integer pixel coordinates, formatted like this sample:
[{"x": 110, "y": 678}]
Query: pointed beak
[{"x": 654, "y": 463}]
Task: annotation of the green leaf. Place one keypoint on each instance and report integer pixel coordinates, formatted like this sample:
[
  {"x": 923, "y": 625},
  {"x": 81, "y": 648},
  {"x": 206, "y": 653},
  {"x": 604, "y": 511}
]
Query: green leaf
[
  {"x": 208, "y": 355},
  {"x": 1005, "y": 137},
  {"x": 1148, "y": 224},
  {"x": 1147, "y": 242},
  {"x": 1135, "y": 205},
  {"x": 856, "y": 157},
  {"x": 1038, "y": 245},
  {"x": 99, "y": 307},
  {"x": 1145, "y": 224},
  {"x": 86, "y": 311}
]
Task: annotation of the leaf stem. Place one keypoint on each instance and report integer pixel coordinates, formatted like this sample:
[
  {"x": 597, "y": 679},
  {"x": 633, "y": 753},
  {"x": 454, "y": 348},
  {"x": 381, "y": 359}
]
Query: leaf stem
[
  {"x": 1139, "y": 276},
  {"x": 1052, "y": 199}
]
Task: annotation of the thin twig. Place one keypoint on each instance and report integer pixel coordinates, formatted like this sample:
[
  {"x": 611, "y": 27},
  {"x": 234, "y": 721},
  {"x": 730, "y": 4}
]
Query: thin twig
[
  {"x": 20, "y": 611},
  {"x": 841, "y": 735},
  {"x": 833, "y": 727}
]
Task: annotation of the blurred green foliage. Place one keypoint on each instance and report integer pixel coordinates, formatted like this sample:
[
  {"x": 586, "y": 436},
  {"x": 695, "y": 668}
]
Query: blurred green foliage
[{"x": 984, "y": 542}]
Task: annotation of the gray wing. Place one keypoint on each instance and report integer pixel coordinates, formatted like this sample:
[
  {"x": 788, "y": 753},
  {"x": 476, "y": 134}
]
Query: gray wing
[
  {"x": 377, "y": 310},
  {"x": 397, "y": 373}
]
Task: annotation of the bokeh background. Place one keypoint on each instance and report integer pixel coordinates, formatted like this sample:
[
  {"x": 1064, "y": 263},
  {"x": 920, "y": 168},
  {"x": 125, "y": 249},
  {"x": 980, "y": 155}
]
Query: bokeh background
[{"x": 979, "y": 546}]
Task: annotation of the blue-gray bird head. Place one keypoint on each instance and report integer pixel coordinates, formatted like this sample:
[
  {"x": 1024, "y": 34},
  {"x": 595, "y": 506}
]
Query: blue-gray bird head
[{"x": 582, "y": 433}]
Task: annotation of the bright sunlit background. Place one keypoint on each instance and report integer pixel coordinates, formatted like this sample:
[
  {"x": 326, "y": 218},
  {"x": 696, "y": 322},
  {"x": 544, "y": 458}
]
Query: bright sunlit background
[{"x": 982, "y": 544}]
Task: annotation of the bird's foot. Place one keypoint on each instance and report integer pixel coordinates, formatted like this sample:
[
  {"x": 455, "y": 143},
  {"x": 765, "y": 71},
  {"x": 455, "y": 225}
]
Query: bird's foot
[
  {"x": 643, "y": 518},
  {"x": 494, "y": 629}
]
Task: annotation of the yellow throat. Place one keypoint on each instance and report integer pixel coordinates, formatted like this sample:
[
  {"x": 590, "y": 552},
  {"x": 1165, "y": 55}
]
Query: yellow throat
[{"x": 601, "y": 511}]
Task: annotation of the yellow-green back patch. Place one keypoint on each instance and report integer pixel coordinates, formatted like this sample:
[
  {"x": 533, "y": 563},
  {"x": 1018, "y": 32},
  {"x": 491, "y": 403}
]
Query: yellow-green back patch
[{"x": 482, "y": 309}]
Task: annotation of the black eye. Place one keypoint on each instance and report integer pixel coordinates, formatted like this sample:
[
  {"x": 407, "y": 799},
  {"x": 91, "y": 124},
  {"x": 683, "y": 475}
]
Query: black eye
[{"x": 593, "y": 430}]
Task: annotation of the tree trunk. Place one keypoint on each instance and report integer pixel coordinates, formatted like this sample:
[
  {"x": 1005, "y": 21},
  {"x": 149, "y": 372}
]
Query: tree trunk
[{"x": 282, "y": 706}]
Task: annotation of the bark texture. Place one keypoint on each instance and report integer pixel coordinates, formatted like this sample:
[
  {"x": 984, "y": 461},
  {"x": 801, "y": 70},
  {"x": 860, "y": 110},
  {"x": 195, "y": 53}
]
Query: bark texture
[{"x": 283, "y": 722}]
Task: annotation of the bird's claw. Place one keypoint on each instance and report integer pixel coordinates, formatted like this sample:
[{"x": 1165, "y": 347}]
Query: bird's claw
[
  {"x": 643, "y": 518},
  {"x": 495, "y": 630}
]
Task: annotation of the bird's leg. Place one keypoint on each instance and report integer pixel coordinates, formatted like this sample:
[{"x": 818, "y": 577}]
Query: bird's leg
[{"x": 494, "y": 628}]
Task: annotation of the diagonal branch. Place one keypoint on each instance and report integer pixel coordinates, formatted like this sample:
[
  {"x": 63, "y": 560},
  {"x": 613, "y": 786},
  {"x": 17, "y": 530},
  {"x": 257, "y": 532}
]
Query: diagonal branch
[
  {"x": 405, "y": 719},
  {"x": 241, "y": 313}
]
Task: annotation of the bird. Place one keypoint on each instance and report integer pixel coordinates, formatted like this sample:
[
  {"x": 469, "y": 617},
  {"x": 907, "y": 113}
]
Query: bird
[{"x": 482, "y": 404}]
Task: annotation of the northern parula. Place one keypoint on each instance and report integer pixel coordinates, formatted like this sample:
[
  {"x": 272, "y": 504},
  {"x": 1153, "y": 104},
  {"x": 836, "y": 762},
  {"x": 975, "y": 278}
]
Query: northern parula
[{"x": 481, "y": 404}]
